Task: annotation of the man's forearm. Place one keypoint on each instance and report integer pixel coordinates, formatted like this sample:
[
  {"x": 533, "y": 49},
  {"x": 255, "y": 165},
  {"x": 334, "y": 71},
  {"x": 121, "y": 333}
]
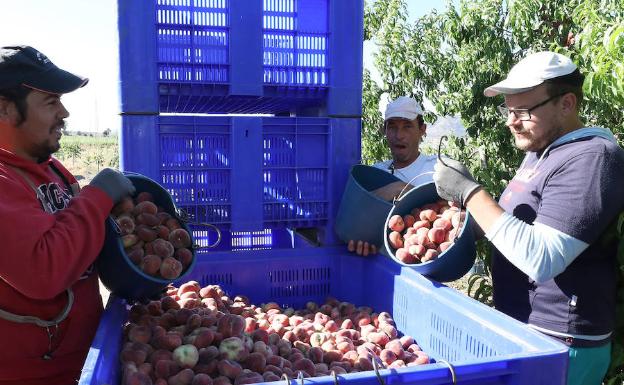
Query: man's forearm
[
  {"x": 484, "y": 209},
  {"x": 539, "y": 251}
]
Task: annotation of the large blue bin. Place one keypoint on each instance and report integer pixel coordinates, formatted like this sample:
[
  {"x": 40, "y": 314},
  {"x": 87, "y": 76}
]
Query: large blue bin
[
  {"x": 453, "y": 263},
  {"x": 241, "y": 56},
  {"x": 482, "y": 345},
  {"x": 251, "y": 176}
]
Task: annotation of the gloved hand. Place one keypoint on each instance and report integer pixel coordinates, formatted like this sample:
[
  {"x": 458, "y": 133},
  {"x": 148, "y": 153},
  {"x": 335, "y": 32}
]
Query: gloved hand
[
  {"x": 453, "y": 181},
  {"x": 113, "y": 183}
]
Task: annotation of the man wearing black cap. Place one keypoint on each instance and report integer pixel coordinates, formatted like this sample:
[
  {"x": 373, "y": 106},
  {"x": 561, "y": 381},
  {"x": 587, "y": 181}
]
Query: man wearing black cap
[
  {"x": 51, "y": 230},
  {"x": 553, "y": 266}
]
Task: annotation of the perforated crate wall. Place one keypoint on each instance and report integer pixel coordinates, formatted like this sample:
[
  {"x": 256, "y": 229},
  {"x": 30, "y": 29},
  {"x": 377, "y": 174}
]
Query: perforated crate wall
[
  {"x": 241, "y": 56},
  {"x": 254, "y": 177}
]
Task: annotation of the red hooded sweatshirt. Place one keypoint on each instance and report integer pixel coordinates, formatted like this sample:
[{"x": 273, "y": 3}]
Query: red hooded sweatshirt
[{"x": 42, "y": 254}]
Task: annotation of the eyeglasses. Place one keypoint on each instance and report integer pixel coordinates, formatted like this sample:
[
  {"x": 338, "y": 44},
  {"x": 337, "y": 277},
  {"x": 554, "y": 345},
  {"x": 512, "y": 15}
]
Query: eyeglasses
[{"x": 523, "y": 114}]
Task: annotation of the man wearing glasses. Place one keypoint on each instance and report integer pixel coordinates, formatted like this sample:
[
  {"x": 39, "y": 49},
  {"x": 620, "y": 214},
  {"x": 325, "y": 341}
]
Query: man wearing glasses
[{"x": 553, "y": 264}]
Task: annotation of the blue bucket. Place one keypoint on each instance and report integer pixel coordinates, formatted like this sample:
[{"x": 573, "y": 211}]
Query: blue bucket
[
  {"x": 362, "y": 213},
  {"x": 455, "y": 261},
  {"x": 117, "y": 272}
]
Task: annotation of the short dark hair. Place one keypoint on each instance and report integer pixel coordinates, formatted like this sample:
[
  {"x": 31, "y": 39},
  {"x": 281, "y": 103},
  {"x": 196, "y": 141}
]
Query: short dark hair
[
  {"x": 572, "y": 82},
  {"x": 17, "y": 95}
]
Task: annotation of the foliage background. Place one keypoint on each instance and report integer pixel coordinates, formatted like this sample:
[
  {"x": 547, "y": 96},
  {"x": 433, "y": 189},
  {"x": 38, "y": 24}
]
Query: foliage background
[{"x": 450, "y": 57}]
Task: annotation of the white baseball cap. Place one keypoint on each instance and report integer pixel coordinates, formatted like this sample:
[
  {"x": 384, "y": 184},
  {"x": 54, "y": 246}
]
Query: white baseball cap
[
  {"x": 403, "y": 107},
  {"x": 532, "y": 71}
]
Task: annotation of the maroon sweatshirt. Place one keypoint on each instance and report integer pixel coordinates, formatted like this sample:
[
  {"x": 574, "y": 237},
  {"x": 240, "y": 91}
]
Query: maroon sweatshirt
[{"x": 42, "y": 254}]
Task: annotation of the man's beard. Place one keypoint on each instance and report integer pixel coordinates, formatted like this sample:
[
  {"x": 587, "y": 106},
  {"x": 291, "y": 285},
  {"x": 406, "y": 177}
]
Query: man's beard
[{"x": 49, "y": 149}]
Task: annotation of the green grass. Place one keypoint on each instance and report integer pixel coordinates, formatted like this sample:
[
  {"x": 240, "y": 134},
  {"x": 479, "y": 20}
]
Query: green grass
[
  {"x": 86, "y": 155},
  {"x": 88, "y": 140}
]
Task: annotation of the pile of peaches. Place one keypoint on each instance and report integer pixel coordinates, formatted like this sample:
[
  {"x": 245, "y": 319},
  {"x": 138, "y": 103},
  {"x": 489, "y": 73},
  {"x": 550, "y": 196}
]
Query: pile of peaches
[
  {"x": 152, "y": 239},
  {"x": 426, "y": 232},
  {"x": 201, "y": 336}
]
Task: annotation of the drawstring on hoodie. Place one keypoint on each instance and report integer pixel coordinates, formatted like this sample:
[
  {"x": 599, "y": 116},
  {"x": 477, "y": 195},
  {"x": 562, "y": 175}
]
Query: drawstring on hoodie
[
  {"x": 51, "y": 335},
  {"x": 47, "y": 325}
]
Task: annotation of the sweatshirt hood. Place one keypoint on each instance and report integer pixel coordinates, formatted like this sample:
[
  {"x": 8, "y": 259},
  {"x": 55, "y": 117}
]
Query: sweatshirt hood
[{"x": 9, "y": 158}]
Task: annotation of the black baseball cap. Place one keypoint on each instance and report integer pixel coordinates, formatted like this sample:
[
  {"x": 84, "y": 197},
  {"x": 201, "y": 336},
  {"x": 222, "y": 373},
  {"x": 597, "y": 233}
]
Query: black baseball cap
[{"x": 24, "y": 65}]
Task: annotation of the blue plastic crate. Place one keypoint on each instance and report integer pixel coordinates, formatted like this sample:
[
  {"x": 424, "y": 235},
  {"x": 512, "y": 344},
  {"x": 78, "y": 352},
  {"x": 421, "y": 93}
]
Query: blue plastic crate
[
  {"x": 482, "y": 345},
  {"x": 251, "y": 176},
  {"x": 241, "y": 56}
]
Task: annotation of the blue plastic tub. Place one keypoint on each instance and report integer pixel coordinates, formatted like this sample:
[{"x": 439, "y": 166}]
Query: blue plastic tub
[
  {"x": 362, "y": 214},
  {"x": 246, "y": 174},
  {"x": 232, "y": 56},
  {"x": 482, "y": 345},
  {"x": 122, "y": 277},
  {"x": 453, "y": 263}
]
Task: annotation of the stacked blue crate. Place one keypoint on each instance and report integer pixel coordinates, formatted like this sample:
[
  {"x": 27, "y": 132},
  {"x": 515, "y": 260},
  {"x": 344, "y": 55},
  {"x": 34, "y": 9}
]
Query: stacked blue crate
[
  {"x": 254, "y": 177},
  {"x": 233, "y": 56}
]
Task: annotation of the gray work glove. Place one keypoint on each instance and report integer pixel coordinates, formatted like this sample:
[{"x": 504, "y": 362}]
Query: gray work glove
[
  {"x": 113, "y": 183},
  {"x": 453, "y": 181}
]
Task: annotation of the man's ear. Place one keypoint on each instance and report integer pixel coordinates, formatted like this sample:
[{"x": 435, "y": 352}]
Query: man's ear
[
  {"x": 423, "y": 129},
  {"x": 5, "y": 106},
  {"x": 8, "y": 110},
  {"x": 569, "y": 103}
]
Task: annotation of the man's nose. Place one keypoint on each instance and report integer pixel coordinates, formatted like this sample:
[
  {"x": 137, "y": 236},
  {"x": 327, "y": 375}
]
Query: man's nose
[
  {"x": 400, "y": 132},
  {"x": 63, "y": 113},
  {"x": 512, "y": 119}
]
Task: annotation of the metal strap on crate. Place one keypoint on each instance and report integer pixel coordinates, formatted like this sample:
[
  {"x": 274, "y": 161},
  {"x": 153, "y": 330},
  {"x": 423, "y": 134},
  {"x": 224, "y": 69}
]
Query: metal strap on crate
[
  {"x": 333, "y": 373},
  {"x": 299, "y": 377},
  {"x": 376, "y": 367},
  {"x": 451, "y": 368},
  {"x": 376, "y": 362}
]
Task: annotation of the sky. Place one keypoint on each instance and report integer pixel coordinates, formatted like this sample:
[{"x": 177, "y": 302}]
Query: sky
[{"x": 81, "y": 36}]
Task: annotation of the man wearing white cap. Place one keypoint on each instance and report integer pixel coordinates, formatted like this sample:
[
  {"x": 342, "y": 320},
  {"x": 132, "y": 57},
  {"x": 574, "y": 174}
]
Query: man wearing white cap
[
  {"x": 404, "y": 128},
  {"x": 553, "y": 263}
]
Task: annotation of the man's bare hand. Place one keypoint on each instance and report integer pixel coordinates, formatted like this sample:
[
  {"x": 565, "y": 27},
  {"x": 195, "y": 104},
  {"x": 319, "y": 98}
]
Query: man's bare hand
[{"x": 361, "y": 248}]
